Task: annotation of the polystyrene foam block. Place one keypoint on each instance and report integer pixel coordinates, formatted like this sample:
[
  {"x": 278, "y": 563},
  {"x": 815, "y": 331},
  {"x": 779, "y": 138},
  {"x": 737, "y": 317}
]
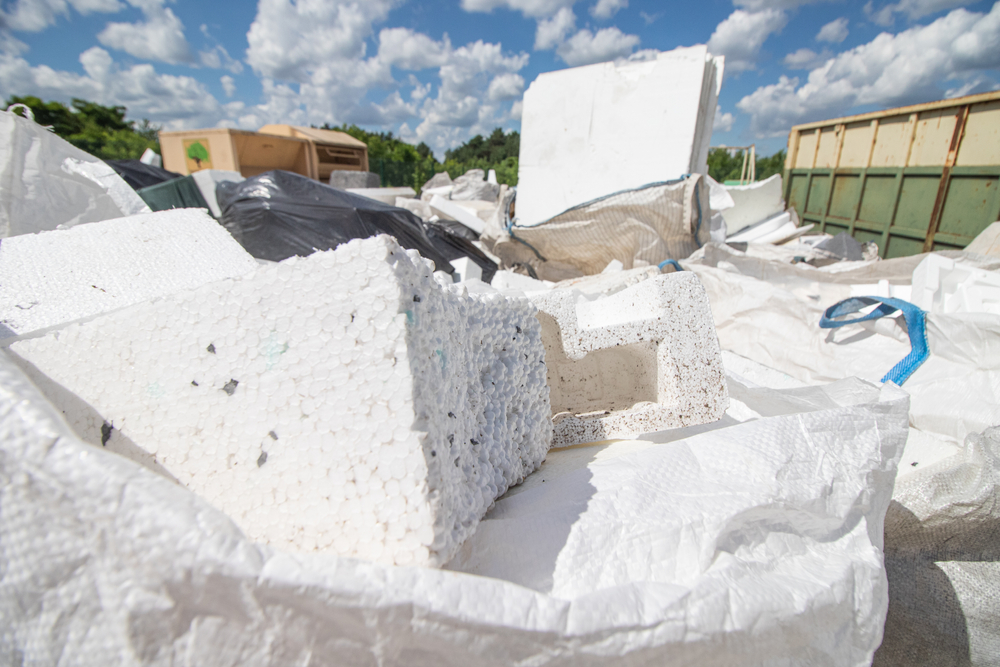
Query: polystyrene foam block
[
  {"x": 941, "y": 285},
  {"x": 345, "y": 402},
  {"x": 596, "y": 130},
  {"x": 54, "y": 278},
  {"x": 641, "y": 360}
]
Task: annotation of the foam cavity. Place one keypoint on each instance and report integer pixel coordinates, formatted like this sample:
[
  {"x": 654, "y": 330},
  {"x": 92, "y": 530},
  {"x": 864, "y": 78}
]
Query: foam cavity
[
  {"x": 347, "y": 402},
  {"x": 643, "y": 359}
]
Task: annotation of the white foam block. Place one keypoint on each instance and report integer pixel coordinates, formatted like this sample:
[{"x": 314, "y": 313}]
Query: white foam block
[
  {"x": 449, "y": 209},
  {"x": 384, "y": 195},
  {"x": 380, "y": 419},
  {"x": 753, "y": 203},
  {"x": 641, "y": 360},
  {"x": 942, "y": 285},
  {"x": 54, "y": 278},
  {"x": 591, "y": 131}
]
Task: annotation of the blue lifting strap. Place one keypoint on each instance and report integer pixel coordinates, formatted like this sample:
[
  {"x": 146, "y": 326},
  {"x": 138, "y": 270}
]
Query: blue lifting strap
[
  {"x": 670, "y": 262},
  {"x": 915, "y": 326}
]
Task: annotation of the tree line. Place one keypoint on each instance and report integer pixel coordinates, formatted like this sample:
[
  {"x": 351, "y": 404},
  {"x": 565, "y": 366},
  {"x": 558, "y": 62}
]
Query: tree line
[
  {"x": 400, "y": 164},
  {"x": 101, "y": 131},
  {"x": 725, "y": 166}
]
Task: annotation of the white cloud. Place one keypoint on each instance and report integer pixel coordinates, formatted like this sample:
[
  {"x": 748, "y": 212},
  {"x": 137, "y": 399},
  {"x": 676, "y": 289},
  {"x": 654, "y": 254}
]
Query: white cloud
[
  {"x": 176, "y": 101},
  {"x": 723, "y": 121},
  {"x": 506, "y": 86},
  {"x": 228, "y": 85},
  {"x": 648, "y": 18},
  {"x": 740, "y": 36},
  {"x": 160, "y": 37},
  {"x": 585, "y": 47},
  {"x": 516, "y": 109},
  {"x": 219, "y": 58},
  {"x": 552, "y": 32},
  {"x": 605, "y": 9},
  {"x": 530, "y": 8},
  {"x": 917, "y": 65},
  {"x": 761, "y": 5},
  {"x": 806, "y": 59},
  {"x": 834, "y": 32},
  {"x": 36, "y": 15},
  {"x": 291, "y": 41},
  {"x": 913, "y": 9},
  {"x": 406, "y": 49}
]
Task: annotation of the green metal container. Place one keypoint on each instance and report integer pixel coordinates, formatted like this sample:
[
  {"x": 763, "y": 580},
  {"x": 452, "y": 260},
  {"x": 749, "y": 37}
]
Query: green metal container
[{"x": 912, "y": 179}]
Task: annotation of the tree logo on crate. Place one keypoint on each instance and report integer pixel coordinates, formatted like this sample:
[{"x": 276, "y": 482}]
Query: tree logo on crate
[{"x": 196, "y": 152}]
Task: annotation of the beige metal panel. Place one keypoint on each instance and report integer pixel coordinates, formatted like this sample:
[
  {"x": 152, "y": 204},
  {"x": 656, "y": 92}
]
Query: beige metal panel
[
  {"x": 892, "y": 144},
  {"x": 981, "y": 143},
  {"x": 857, "y": 146},
  {"x": 933, "y": 138},
  {"x": 807, "y": 149},
  {"x": 903, "y": 111},
  {"x": 826, "y": 155}
]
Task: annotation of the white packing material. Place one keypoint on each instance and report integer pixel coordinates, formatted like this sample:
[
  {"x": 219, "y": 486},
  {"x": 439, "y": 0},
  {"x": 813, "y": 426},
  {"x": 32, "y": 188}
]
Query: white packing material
[
  {"x": 384, "y": 195},
  {"x": 942, "y": 527},
  {"x": 637, "y": 227},
  {"x": 46, "y": 182},
  {"x": 452, "y": 211},
  {"x": 942, "y": 285},
  {"x": 640, "y": 360},
  {"x": 51, "y": 279},
  {"x": 587, "y": 132},
  {"x": 753, "y": 203},
  {"x": 755, "y": 544},
  {"x": 472, "y": 185},
  {"x": 208, "y": 179},
  {"x": 987, "y": 242},
  {"x": 377, "y": 420}
]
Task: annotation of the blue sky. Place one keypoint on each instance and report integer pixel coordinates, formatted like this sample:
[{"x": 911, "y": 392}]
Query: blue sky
[{"x": 441, "y": 71}]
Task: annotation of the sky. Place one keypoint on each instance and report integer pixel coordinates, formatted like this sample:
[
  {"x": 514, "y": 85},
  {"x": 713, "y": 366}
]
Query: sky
[{"x": 442, "y": 71}]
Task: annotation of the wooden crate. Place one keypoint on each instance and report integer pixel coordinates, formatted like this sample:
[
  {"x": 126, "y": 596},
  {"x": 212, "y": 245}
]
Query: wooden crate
[
  {"x": 249, "y": 153},
  {"x": 912, "y": 179},
  {"x": 332, "y": 150}
]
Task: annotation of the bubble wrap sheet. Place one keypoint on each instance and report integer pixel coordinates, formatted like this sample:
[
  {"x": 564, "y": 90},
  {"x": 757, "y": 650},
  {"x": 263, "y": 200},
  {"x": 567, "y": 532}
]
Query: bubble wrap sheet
[
  {"x": 344, "y": 402},
  {"x": 757, "y": 543}
]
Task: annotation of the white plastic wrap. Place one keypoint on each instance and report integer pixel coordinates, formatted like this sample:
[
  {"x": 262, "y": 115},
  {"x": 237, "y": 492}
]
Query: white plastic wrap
[
  {"x": 755, "y": 543},
  {"x": 944, "y": 523},
  {"x": 46, "y": 182}
]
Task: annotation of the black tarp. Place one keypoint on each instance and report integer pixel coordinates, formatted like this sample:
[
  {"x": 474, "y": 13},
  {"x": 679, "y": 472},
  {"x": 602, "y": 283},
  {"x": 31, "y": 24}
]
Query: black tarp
[
  {"x": 140, "y": 175},
  {"x": 277, "y": 214}
]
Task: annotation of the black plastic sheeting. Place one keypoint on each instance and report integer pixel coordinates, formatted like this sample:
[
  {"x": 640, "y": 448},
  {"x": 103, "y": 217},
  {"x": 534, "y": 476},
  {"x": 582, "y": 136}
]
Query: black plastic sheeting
[
  {"x": 277, "y": 214},
  {"x": 140, "y": 175}
]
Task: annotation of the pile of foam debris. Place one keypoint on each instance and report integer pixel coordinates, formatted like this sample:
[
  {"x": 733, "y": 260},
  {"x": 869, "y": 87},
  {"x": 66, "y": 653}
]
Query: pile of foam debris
[{"x": 347, "y": 457}]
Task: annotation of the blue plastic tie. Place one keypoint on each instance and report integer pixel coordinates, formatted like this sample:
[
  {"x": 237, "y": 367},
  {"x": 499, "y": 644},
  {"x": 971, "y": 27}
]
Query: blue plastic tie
[
  {"x": 670, "y": 262},
  {"x": 915, "y": 326}
]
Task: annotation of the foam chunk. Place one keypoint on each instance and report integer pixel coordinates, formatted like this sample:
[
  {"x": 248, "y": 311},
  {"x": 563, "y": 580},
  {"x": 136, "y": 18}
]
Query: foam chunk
[
  {"x": 644, "y": 359},
  {"x": 54, "y": 278},
  {"x": 345, "y": 402}
]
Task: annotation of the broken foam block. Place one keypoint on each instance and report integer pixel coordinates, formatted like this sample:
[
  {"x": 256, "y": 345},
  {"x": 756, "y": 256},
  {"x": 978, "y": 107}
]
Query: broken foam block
[
  {"x": 641, "y": 360},
  {"x": 345, "y": 402},
  {"x": 53, "y": 278}
]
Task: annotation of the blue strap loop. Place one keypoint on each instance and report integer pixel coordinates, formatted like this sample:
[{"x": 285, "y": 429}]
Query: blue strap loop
[
  {"x": 915, "y": 326},
  {"x": 670, "y": 262}
]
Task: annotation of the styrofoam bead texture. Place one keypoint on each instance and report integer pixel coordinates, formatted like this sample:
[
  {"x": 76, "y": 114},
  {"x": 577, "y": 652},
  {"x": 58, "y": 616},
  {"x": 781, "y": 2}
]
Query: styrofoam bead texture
[
  {"x": 346, "y": 402},
  {"x": 54, "y": 278},
  {"x": 643, "y": 359}
]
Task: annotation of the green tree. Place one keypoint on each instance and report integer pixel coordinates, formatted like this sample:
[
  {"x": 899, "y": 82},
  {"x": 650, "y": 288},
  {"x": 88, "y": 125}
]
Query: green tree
[
  {"x": 726, "y": 166},
  {"x": 101, "y": 131}
]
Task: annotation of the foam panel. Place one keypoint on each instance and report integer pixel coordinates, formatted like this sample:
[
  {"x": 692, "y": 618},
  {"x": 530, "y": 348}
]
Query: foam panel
[{"x": 346, "y": 402}]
